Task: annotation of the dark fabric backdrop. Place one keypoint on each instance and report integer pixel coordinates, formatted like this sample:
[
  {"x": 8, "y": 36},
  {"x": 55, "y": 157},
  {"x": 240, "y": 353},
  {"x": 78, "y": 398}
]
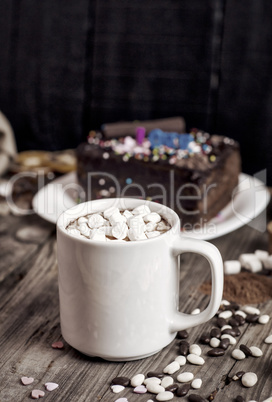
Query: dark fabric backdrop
[{"x": 67, "y": 67}]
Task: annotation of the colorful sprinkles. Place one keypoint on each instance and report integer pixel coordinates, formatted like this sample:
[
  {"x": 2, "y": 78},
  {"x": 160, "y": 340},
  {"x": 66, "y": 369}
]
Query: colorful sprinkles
[{"x": 156, "y": 146}]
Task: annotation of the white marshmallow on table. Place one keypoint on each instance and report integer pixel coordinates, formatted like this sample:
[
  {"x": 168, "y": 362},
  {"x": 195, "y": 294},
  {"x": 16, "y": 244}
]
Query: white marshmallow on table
[
  {"x": 232, "y": 267},
  {"x": 195, "y": 349},
  {"x": 95, "y": 221},
  {"x": 141, "y": 210},
  {"x": 261, "y": 254},
  {"x": 181, "y": 360},
  {"x": 120, "y": 230},
  {"x": 251, "y": 262},
  {"x": 251, "y": 310},
  {"x": 152, "y": 217},
  {"x": 171, "y": 368},
  {"x": 268, "y": 262},
  {"x": 263, "y": 319}
]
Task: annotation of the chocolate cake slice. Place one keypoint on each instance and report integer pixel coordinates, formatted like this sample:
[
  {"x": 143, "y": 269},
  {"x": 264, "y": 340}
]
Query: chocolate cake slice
[{"x": 193, "y": 173}]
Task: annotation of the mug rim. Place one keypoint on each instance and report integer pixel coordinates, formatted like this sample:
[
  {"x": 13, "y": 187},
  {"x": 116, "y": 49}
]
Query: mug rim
[{"x": 72, "y": 213}]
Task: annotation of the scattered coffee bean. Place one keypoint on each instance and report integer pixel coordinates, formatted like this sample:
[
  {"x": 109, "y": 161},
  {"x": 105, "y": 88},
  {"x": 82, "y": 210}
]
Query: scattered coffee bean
[
  {"x": 195, "y": 349},
  {"x": 238, "y": 375},
  {"x": 240, "y": 319},
  {"x": 239, "y": 398},
  {"x": 221, "y": 322},
  {"x": 136, "y": 380},
  {"x": 233, "y": 306},
  {"x": 252, "y": 318},
  {"x": 230, "y": 331},
  {"x": 215, "y": 333},
  {"x": 183, "y": 390},
  {"x": 224, "y": 343},
  {"x": 165, "y": 396},
  {"x": 154, "y": 374},
  {"x": 125, "y": 381},
  {"x": 238, "y": 354},
  {"x": 246, "y": 350},
  {"x": 233, "y": 322},
  {"x": 182, "y": 334},
  {"x": 230, "y": 337},
  {"x": 185, "y": 377},
  {"x": 216, "y": 352},
  {"x": 184, "y": 348},
  {"x": 196, "y": 398},
  {"x": 172, "y": 387},
  {"x": 249, "y": 379},
  {"x": 205, "y": 338},
  {"x": 256, "y": 352}
]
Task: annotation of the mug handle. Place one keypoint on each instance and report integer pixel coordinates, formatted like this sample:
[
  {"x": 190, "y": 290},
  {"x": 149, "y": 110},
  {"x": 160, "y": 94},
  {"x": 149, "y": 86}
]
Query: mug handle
[{"x": 182, "y": 245}]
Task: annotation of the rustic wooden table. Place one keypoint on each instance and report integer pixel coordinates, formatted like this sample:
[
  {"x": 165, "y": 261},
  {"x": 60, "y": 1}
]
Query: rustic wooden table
[{"x": 29, "y": 324}]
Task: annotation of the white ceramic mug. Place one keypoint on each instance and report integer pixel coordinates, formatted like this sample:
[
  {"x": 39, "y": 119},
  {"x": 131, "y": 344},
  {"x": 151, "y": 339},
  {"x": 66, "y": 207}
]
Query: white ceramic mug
[{"x": 120, "y": 300}]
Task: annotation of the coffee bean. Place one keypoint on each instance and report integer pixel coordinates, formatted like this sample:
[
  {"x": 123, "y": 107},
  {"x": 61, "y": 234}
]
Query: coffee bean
[
  {"x": 212, "y": 396},
  {"x": 231, "y": 331},
  {"x": 216, "y": 352},
  {"x": 172, "y": 388},
  {"x": 183, "y": 390},
  {"x": 221, "y": 322},
  {"x": 233, "y": 322},
  {"x": 233, "y": 306},
  {"x": 239, "y": 398},
  {"x": 215, "y": 333},
  {"x": 182, "y": 334},
  {"x": 154, "y": 374},
  {"x": 205, "y": 338},
  {"x": 238, "y": 375},
  {"x": 224, "y": 344},
  {"x": 251, "y": 318},
  {"x": 120, "y": 381},
  {"x": 240, "y": 319},
  {"x": 196, "y": 398},
  {"x": 246, "y": 350},
  {"x": 183, "y": 348}
]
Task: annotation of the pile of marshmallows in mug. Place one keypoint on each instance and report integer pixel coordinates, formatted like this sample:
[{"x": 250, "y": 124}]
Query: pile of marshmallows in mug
[{"x": 113, "y": 224}]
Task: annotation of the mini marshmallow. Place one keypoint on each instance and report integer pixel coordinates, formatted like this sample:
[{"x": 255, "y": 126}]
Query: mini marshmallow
[
  {"x": 150, "y": 227},
  {"x": 109, "y": 211},
  {"x": 149, "y": 235},
  {"x": 141, "y": 210},
  {"x": 152, "y": 217},
  {"x": 116, "y": 217},
  {"x": 136, "y": 221},
  {"x": 251, "y": 310},
  {"x": 120, "y": 231},
  {"x": 95, "y": 221},
  {"x": 251, "y": 262},
  {"x": 268, "y": 262},
  {"x": 232, "y": 267},
  {"x": 84, "y": 229},
  {"x": 261, "y": 255},
  {"x": 74, "y": 232},
  {"x": 107, "y": 230},
  {"x": 82, "y": 219},
  {"x": 162, "y": 226},
  {"x": 127, "y": 214},
  {"x": 134, "y": 234},
  {"x": 97, "y": 234},
  {"x": 195, "y": 311}
]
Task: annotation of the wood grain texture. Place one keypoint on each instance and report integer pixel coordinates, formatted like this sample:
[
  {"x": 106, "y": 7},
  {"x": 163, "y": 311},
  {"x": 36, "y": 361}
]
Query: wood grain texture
[{"x": 29, "y": 324}]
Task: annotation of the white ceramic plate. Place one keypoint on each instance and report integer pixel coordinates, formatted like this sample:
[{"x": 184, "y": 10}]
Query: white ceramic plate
[{"x": 250, "y": 199}]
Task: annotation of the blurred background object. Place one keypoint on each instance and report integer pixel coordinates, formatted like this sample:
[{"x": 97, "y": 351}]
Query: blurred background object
[
  {"x": 7, "y": 144},
  {"x": 68, "y": 67}
]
